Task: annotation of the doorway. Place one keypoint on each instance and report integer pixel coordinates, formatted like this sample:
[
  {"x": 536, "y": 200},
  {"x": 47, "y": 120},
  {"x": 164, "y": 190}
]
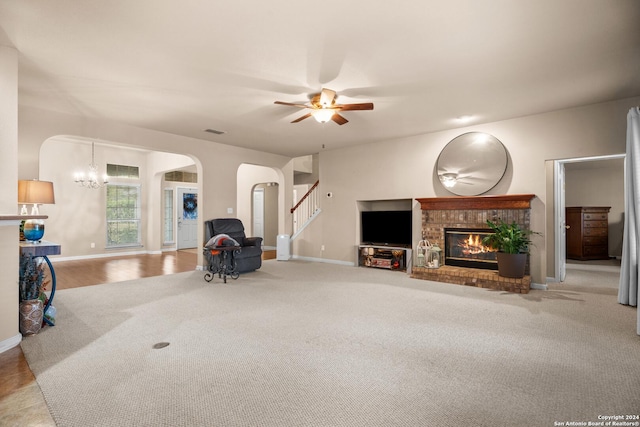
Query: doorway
[
  {"x": 587, "y": 181},
  {"x": 265, "y": 212},
  {"x": 258, "y": 212},
  {"x": 187, "y": 218}
]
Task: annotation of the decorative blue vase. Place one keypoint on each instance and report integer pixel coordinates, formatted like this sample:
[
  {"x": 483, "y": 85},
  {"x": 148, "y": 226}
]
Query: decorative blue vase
[{"x": 33, "y": 229}]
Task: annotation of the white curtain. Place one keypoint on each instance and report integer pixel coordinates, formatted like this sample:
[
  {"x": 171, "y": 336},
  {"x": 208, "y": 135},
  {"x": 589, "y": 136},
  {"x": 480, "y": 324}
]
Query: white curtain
[{"x": 628, "y": 288}]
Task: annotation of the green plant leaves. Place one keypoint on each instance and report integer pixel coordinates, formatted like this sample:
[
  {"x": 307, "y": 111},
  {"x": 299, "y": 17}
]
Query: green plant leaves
[{"x": 508, "y": 238}]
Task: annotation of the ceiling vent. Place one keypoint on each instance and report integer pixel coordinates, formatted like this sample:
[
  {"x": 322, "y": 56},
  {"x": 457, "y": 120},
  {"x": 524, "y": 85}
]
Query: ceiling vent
[{"x": 217, "y": 132}]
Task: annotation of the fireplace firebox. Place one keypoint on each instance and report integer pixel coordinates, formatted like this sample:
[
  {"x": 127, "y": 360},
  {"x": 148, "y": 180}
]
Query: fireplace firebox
[{"x": 463, "y": 248}]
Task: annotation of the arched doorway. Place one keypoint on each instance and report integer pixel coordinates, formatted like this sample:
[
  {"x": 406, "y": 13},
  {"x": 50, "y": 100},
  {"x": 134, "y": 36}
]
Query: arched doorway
[
  {"x": 265, "y": 212},
  {"x": 258, "y": 201}
]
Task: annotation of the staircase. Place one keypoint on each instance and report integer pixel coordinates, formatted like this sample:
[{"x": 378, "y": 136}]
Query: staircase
[{"x": 306, "y": 210}]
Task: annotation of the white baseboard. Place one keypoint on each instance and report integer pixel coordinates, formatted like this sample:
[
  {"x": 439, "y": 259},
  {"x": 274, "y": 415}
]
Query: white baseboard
[
  {"x": 9, "y": 343},
  {"x": 325, "y": 260},
  {"x": 110, "y": 255},
  {"x": 96, "y": 256},
  {"x": 539, "y": 286}
]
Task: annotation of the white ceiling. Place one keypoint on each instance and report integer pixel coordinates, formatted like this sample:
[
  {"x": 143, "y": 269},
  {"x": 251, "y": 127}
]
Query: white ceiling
[{"x": 182, "y": 67}]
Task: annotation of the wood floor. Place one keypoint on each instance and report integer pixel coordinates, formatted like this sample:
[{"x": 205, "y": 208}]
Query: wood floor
[
  {"x": 21, "y": 401},
  {"x": 74, "y": 274}
]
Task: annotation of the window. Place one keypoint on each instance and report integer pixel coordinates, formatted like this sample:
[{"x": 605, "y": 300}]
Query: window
[
  {"x": 123, "y": 215},
  {"x": 122, "y": 171},
  {"x": 168, "y": 215},
  {"x": 181, "y": 176}
]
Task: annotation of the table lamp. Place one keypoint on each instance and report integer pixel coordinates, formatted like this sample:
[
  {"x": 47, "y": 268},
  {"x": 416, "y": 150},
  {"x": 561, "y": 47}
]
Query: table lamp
[{"x": 34, "y": 193}]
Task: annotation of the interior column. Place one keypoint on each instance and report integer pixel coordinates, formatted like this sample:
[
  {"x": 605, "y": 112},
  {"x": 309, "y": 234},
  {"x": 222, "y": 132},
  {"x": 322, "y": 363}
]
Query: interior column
[{"x": 9, "y": 232}]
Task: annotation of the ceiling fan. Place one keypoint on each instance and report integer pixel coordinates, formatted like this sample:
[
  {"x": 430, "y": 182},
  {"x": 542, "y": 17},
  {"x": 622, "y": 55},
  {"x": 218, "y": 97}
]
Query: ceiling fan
[
  {"x": 324, "y": 108},
  {"x": 450, "y": 179}
]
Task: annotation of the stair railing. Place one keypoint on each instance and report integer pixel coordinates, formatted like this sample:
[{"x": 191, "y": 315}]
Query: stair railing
[{"x": 306, "y": 209}]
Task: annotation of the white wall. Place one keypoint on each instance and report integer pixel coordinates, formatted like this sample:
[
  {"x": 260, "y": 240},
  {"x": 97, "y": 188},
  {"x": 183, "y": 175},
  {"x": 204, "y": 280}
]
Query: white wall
[
  {"x": 217, "y": 187},
  {"x": 9, "y": 237},
  {"x": 78, "y": 218},
  {"x": 404, "y": 168}
]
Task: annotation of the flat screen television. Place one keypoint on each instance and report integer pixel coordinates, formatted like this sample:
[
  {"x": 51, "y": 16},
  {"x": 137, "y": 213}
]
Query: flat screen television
[{"x": 391, "y": 228}]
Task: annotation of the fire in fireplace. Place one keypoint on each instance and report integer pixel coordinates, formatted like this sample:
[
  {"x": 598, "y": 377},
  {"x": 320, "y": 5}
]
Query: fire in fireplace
[{"x": 463, "y": 248}]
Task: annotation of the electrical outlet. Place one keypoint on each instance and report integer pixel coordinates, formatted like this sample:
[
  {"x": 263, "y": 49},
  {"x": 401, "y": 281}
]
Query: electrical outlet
[
  {"x": 229, "y": 210},
  {"x": 93, "y": 245},
  {"x": 322, "y": 248}
]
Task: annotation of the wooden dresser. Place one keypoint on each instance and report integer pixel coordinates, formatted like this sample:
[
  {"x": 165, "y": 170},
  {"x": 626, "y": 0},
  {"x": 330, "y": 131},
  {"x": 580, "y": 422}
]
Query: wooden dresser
[{"x": 587, "y": 232}]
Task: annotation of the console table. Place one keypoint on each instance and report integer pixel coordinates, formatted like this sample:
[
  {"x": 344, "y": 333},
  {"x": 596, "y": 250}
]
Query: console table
[{"x": 43, "y": 249}]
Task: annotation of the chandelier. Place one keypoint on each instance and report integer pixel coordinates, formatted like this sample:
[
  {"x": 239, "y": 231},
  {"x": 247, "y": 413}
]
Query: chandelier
[{"x": 91, "y": 178}]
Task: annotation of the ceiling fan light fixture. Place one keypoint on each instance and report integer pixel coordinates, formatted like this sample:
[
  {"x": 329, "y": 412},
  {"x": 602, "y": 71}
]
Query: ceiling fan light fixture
[
  {"x": 449, "y": 180},
  {"x": 323, "y": 115},
  {"x": 324, "y": 108}
]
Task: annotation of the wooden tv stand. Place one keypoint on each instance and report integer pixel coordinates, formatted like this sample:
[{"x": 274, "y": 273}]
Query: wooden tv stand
[{"x": 387, "y": 257}]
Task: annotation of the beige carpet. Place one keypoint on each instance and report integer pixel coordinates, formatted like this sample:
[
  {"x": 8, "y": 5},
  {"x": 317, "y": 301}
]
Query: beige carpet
[
  {"x": 599, "y": 276},
  {"x": 310, "y": 344}
]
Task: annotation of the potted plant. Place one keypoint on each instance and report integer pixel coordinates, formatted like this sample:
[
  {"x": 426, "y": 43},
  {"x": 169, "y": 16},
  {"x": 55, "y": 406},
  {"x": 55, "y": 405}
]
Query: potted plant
[
  {"x": 31, "y": 282},
  {"x": 512, "y": 243}
]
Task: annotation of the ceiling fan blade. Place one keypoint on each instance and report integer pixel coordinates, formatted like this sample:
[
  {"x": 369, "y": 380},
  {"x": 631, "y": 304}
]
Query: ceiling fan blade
[
  {"x": 299, "y": 119},
  {"x": 473, "y": 179},
  {"x": 291, "y": 104},
  {"x": 363, "y": 106},
  {"x": 327, "y": 97},
  {"x": 339, "y": 119},
  {"x": 323, "y": 103}
]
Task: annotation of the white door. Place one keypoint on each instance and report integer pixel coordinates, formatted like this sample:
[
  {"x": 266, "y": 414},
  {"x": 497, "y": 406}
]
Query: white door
[
  {"x": 187, "y": 234},
  {"x": 561, "y": 222},
  {"x": 258, "y": 212}
]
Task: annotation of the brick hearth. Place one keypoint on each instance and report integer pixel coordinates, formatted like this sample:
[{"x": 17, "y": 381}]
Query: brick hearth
[
  {"x": 473, "y": 277},
  {"x": 472, "y": 212}
]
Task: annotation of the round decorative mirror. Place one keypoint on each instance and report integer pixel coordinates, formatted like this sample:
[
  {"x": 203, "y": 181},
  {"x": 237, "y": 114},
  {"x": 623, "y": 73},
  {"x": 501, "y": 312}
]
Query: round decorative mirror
[{"x": 472, "y": 164}]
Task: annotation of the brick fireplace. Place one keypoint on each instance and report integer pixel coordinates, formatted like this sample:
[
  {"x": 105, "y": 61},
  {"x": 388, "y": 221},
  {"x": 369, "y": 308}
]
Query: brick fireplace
[{"x": 442, "y": 213}]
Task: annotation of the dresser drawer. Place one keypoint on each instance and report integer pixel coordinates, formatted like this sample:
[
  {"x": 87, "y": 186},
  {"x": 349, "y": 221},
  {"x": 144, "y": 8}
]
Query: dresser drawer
[
  {"x": 594, "y": 224},
  {"x": 595, "y": 215},
  {"x": 595, "y": 240},
  {"x": 596, "y": 231},
  {"x": 587, "y": 232},
  {"x": 595, "y": 250}
]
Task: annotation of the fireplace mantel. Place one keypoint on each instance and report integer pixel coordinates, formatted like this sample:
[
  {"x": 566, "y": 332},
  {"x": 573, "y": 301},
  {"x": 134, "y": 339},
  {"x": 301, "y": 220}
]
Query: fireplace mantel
[{"x": 509, "y": 201}]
